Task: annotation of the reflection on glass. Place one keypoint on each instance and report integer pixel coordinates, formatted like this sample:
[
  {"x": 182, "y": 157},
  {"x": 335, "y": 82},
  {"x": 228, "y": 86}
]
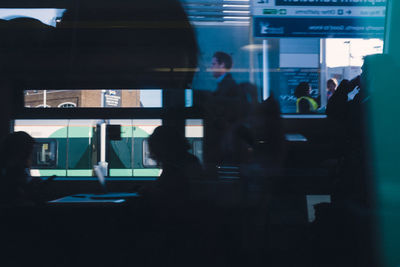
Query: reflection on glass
[{"x": 48, "y": 16}]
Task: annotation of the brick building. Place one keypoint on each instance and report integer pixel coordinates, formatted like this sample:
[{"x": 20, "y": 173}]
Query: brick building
[{"x": 82, "y": 98}]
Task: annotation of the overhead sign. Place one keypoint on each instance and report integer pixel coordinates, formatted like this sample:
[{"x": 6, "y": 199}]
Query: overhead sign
[{"x": 319, "y": 18}]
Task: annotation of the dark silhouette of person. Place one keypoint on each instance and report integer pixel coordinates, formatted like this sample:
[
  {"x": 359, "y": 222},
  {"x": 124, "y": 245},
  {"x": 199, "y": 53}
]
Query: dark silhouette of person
[
  {"x": 130, "y": 41},
  {"x": 357, "y": 159},
  {"x": 337, "y": 108},
  {"x": 337, "y": 111},
  {"x": 226, "y": 86},
  {"x": 223, "y": 111},
  {"x": 112, "y": 44},
  {"x": 354, "y": 189},
  {"x": 169, "y": 148},
  {"x": 250, "y": 96},
  {"x": 305, "y": 103},
  {"x": 269, "y": 131},
  {"x": 17, "y": 186}
]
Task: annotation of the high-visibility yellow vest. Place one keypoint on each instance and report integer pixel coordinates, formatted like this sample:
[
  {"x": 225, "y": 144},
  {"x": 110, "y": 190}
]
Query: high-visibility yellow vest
[{"x": 313, "y": 103}]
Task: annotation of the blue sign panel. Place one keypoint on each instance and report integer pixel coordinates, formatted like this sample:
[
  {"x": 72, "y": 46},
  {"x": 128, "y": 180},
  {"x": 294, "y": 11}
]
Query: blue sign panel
[
  {"x": 330, "y": 3},
  {"x": 267, "y": 27}
]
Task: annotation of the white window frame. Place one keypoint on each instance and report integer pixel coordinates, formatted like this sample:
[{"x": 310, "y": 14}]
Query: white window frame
[{"x": 67, "y": 103}]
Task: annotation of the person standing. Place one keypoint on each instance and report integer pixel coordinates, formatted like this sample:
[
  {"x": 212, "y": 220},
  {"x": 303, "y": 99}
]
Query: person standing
[
  {"x": 305, "y": 103},
  {"x": 331, "y": 85},
  {"x": 221, "y": 65}
]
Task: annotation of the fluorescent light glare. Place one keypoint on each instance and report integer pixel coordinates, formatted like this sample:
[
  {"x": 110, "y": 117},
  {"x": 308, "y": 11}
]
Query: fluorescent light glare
[
  {"x": 245, "y": 6},
  {"x": 236, "y": 11},
  {"x": 230, "y": 17}
]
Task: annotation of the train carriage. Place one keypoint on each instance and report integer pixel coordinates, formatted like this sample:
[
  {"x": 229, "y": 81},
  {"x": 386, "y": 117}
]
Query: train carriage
[{"x": 71, "y": 148}]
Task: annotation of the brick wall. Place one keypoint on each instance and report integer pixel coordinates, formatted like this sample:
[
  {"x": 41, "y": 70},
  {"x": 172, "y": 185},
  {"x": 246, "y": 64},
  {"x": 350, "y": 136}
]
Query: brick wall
[
  {"x": 54, "y": 98},
  {"x": 81, "y": 98}
]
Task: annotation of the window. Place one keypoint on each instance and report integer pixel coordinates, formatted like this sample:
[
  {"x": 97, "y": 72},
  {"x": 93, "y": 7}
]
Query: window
[
  {"x": 198, "y": 149},
  {"x": 67, "y": 105},
  {"x": 275, "y": 45},
  {"x": 65, "y": 148},
  {"x": 42, "y": 106},
  {"x": 147, "y": 160},
  {"x": 121, "y": 98},
  {"x": 45, "y": 154}
]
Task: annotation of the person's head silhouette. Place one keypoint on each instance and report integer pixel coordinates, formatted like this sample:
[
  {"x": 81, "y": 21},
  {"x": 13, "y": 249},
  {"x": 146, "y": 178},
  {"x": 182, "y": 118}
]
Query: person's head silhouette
[
  {"x": 221, "y": 63},
  {"x": 17, "y": 150},
  {"x": 167, "y": 145},
  {"x": 302, "y": 89},
  {"x": 152, "y": 42}
]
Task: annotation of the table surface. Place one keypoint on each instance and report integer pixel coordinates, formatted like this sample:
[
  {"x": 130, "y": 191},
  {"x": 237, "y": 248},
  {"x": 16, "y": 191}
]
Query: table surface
[{"x": 106, "y": 198}]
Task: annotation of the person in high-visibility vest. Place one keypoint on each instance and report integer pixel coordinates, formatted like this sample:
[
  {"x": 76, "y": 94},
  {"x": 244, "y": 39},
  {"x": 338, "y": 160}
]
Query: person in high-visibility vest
[{"x": 305, "y": 103}]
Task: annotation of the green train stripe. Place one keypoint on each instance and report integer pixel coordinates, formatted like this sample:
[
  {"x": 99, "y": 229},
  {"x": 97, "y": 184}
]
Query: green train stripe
[
  {"x": 80, "y": 131},
  {"x": 86, "y": 131},
  {"x": 50, "y": 172},
  {"x": 113, "y": 172},
  {"x": 146, "y": 172},
  {"x": 137, "y": 132},
  {"x": 80, "y": 172},
  {"x": 136, "y": 172},
  {"x": 121, "y": 172},
  {"x": 126, "y": 131},
  {"x": 61, "y": 133}
]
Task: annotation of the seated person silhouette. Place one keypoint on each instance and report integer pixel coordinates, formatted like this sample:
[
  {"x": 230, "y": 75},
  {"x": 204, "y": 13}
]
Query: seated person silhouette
[
  {"x": 169, "y": 149},
  {"x": 17, "y": 187}
]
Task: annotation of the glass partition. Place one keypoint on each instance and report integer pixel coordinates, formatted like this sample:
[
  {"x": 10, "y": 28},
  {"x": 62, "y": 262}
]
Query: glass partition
[{"x": 266, "y": 48}]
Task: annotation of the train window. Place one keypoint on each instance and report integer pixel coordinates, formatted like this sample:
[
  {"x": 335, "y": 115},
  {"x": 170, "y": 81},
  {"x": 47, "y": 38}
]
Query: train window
[
  {"x": 64, "y": 147},
  {"x": 194, "y": 134},
  {"x": 71, "y": 148},
  {"x": 198, "y": 149},
  {"x": 147, "y": 160},
  {"x": 45, "y": 154},
  {"x": 51, "y": 148}
]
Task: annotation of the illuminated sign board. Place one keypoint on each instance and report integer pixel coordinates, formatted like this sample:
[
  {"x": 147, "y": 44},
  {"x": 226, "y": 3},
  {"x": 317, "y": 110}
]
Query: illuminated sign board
[{"x": 319, "y": 18}]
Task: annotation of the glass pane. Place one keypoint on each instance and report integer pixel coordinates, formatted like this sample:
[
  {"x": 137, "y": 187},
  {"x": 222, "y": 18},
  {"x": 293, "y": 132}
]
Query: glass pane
[
  {"x": 129, "y": 156},
  {"x": 71, "y": 148},
  {"x": 93, "y": 98},
  {"x": 49, "y": 16},
  {"x": 291, "y": 42},
  {"x": 50, "y": 152},
  {"x": 147, "y": 160},
  {"x": 81, "y": 136},
  {"x": 194, "y": 132}
]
